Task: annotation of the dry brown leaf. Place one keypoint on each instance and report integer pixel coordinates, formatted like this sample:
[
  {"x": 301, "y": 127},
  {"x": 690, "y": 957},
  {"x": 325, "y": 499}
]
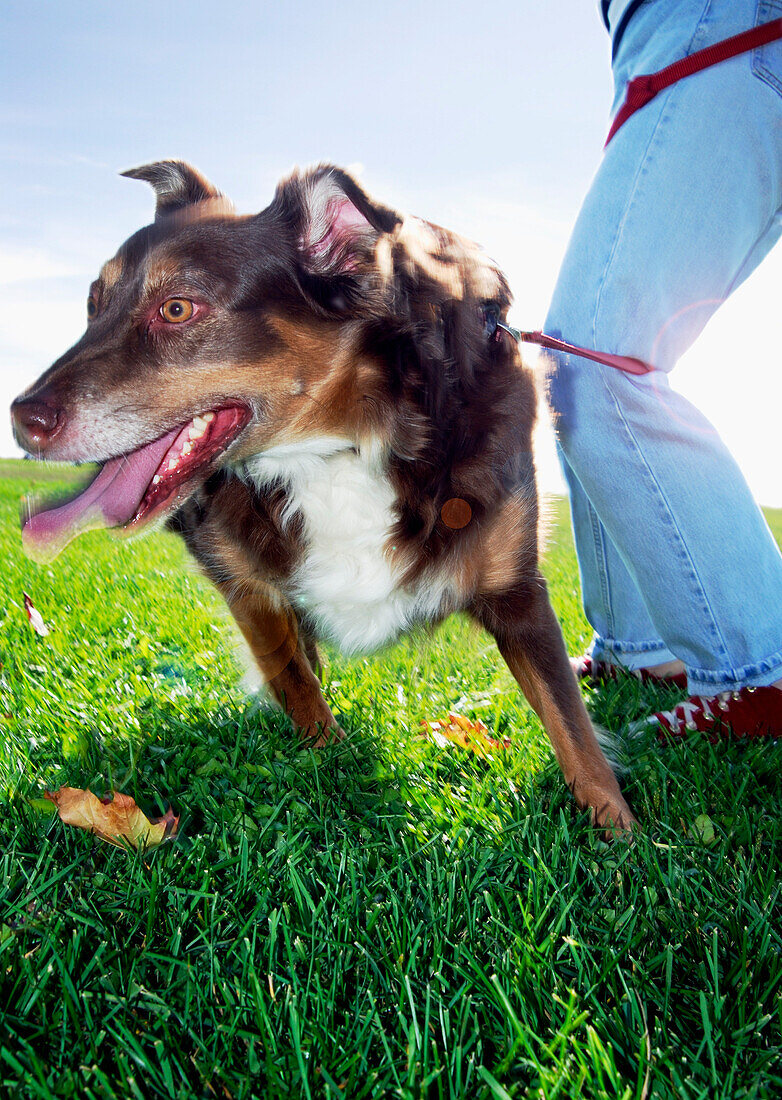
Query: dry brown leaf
[
  {"x": 469, "y": 734},
  {"x": 35, "y": 617},
  {"x": 117, "y": 820}
]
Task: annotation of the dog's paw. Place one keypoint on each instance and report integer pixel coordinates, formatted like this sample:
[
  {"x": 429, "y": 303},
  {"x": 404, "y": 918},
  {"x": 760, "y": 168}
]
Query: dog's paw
[
  {"x": 320, "y": 731},
  {"x": 316, "y": 736},
  {"x": 617, "y": 819}
]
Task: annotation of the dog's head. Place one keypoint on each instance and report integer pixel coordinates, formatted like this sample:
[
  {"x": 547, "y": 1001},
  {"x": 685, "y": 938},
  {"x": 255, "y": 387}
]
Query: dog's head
[{"x": 213, "y": 336}]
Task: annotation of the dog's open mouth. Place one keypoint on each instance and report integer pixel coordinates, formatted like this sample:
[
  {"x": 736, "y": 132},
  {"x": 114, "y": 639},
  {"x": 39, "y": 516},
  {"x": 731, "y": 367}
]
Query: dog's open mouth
[{"x": 132, "y": 488}]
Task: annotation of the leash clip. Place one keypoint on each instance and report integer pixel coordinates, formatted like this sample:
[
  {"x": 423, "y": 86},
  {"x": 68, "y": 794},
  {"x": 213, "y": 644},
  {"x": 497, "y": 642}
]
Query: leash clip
[{"x": 516, "y": 333}]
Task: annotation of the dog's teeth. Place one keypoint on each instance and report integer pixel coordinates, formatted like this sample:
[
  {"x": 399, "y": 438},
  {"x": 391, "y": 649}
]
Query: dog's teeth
[
  {"x": 156, "y": 479},
  {"x": 187, "y": 448},
  {"x": 200, "y": 423},
  {"x": 173, "y": 463},
  {"x": 209, "y": 417},
  {"x": 197, "y": 433}
]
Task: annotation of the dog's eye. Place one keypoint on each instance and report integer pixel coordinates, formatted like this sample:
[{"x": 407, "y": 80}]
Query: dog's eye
[
  {"x": 176, "y": 310},
  {"x": 92, "y": 308}
]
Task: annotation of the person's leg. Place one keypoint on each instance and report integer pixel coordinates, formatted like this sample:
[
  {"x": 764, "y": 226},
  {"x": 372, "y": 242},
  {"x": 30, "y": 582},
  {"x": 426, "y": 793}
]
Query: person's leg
[
  {"x": 607, "y": 589},
  {"x": 686, "y": 202}
]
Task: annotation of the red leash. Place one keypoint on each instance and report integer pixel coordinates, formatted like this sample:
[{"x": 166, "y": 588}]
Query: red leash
[
  {"x": 627, "y": 363},
  {"x": 641, "y": 91},
  {"x": 644, "y": 88}
]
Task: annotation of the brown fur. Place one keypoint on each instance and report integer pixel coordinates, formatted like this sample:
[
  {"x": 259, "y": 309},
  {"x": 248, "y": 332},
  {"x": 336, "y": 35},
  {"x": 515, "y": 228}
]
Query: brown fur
[{"x": 329, "y": 314}]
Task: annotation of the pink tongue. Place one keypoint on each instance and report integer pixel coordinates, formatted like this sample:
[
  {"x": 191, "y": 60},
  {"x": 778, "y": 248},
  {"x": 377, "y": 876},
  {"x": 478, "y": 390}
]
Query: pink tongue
[{"x": 111, "y": 500}]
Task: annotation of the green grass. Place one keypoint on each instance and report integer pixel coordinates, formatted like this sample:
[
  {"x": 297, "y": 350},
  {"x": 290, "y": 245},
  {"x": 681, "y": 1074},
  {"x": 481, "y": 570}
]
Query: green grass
[{"x": 380, "y": 918}]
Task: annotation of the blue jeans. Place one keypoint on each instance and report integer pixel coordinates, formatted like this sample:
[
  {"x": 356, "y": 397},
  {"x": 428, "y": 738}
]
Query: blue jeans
[{"x": 676, "y": 559}]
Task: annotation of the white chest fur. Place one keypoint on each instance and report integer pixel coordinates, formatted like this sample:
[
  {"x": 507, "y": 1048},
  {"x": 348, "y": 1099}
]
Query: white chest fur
[{"x": 346, "y": 581}]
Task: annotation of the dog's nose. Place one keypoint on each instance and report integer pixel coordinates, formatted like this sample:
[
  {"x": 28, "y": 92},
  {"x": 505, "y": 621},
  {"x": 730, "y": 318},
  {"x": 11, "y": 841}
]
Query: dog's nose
[{"x": 36, "y": 423}]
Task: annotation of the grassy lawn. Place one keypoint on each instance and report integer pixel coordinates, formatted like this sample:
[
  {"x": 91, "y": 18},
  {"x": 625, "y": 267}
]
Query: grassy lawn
[{"x": 382, "y": 918}]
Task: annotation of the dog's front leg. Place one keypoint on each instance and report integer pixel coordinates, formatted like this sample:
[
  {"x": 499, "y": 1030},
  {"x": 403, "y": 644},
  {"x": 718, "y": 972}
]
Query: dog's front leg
[
  {"x": 272, "y": 632},
  {"x": 530, "y": 639},
  {"x": 237, "y": 537}
]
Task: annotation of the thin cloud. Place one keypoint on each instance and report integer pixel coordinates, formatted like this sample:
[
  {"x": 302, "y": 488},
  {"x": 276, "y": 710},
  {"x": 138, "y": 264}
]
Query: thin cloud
[{"x": 21, "y": 265}]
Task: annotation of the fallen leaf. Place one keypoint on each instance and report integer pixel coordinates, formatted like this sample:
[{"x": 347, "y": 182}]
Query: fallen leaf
[
  {"x": 703, "y": 830},
  {"x": 35, "y": 617},
  {"x": 42, "y": 805},
  {"x": 117, "y": 819},
  {"x": 468, "y": 734}
]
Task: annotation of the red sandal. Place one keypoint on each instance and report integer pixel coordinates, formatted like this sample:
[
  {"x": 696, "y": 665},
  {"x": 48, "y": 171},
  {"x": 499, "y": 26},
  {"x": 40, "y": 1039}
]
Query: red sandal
[{"x": 750, "y": 712}]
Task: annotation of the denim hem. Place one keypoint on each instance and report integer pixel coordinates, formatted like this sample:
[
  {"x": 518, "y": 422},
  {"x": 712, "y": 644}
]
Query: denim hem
[
  {"x": 703, "y": 681},
  {"x": 631, "y": 655}
]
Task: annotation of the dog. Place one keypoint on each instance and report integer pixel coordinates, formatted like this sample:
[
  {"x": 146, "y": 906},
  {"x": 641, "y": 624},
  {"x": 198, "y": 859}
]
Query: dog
[{"x": 319, "y": 400}]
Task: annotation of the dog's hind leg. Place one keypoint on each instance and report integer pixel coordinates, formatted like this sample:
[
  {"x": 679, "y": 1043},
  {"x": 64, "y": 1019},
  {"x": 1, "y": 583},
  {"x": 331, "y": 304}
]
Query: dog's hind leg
[{"x": 530, "y": 639}]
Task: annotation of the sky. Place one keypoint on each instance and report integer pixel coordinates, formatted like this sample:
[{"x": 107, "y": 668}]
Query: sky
[{"x": 488, "y": 118}]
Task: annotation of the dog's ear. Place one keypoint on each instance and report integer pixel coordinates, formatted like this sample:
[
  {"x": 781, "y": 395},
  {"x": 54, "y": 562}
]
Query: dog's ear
[
  {"x": 176, "y": 185},
  {"x": 339, "y": 224}
]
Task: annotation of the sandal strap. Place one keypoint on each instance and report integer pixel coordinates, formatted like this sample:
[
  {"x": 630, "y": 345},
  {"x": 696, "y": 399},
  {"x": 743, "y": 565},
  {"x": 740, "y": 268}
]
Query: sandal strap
[{"x": 589, "y": 670}]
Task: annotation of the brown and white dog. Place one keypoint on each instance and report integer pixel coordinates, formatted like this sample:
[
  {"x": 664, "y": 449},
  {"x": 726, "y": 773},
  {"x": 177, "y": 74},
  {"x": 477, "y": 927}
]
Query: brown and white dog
[{"x": 316, "y": 399}]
